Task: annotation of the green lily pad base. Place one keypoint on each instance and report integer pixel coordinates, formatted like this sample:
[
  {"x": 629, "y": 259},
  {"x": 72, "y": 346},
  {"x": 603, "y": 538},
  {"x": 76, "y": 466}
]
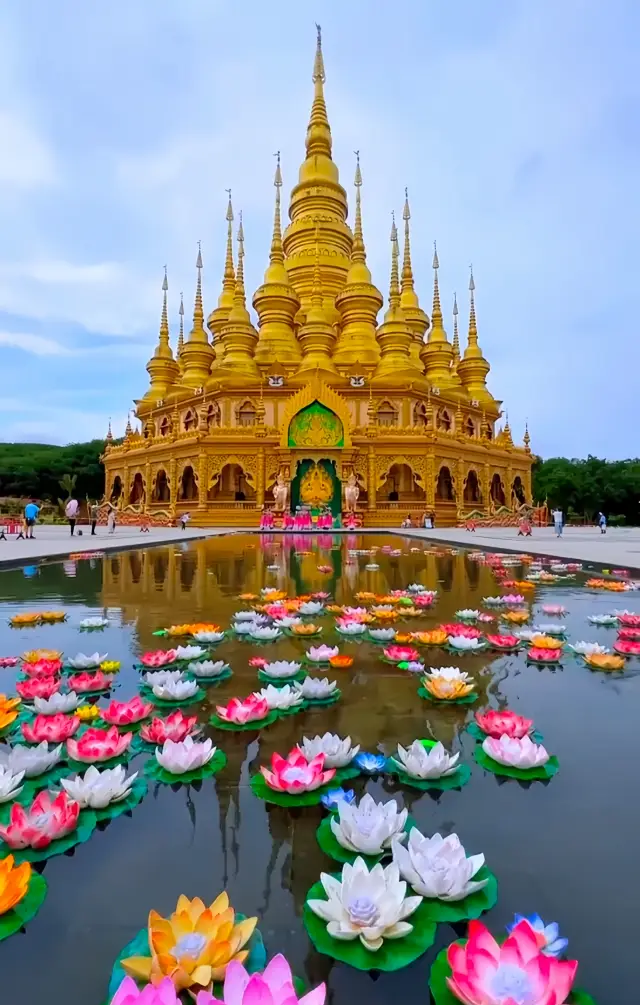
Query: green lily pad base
[
  {"x": 473, "y": 729},
  {"x": 213, "y": 679},
  {"x": 394, "y": 953},
  {"x": 159, "y": 774},
  {"x": 12, "y": 921},
  {"x": 24, "y": 715},
  {"x": 86, "y": 825},
  {"x": 280, "y": 681},
  {"x": 31, "y": 786},
  {"x": 260, "y": 789},
  {"x": 540, "y": 774},
  {"x": 468, "y": 699},
  {"x": 471, "y": 907},
  {"x": 137, "y": 793},
  {"x": 441, "y": 994},
  {"x": 247, "y": 727},
  {"x": 176, "y": 703},
  {"x": 139, "y": 946},
  {"x": 323, "y": 702},
  {"x": 454, "y": 781},
  {"x": 332, "y": 847}
]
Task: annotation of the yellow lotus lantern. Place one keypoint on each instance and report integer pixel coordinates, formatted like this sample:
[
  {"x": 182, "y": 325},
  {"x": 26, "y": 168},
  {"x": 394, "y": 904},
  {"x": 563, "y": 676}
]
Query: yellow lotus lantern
[
  {"x": 546, "y": 642},
  {"x": 365, "y": 595},
  {"x": 110, "y": 666},
  {"x": 9, "y": 708},
  {"x": 35, "y": 655},
  {"x": 87, "y": 713},
  {"x": 21, "y": 620},
  {"x": 194, "y": 945},
  {"x": 602, "y": 661},
  {"x": 445, "y": 689},
  {"x": 14, "y": 881},
  {"x": 432, "y": 638},
  {"x": 516, "y": 617},
  {"x": 51, "y": 617}
]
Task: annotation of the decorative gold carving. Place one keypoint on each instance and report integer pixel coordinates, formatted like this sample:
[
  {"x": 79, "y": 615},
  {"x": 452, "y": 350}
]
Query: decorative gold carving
[
  {"x": 316, "y": 487},
  {"x": 315, "y": 390}
]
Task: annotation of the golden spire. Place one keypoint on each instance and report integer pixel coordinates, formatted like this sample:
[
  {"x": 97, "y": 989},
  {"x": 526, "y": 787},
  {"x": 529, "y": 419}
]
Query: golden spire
[
  {"x": 162, "y": 368},
  {"x": 164, "y": 347},
  {"x": 229, "y": 277},
  {"x": 394, "y": 334},
  {"x": 181, "y": 331},
  {"x": 276, "y": 255},
  {"x": 239, "y": 336},
  {"x": 473, "y": 367},
  {"x": 473, "y": 329},
  {"x": 436, "y": 310},
  {"x": 394, "y": 281},
  {"x": 526, "y": 439},
  {"x": 360, "y": 301},
  {"x": 109, "y": 436},
  {"x": 317, "y": 335},
  {"x": 318, "y": 131},
  {"x": 197, "y": 352},
  {"x": 220, "y": 314},
  {"x": 456, "y": 337},
  {"x": 128, "y": 430},
  {"x": 437, "y": 352},
  {"x": 417, "y": 318}
]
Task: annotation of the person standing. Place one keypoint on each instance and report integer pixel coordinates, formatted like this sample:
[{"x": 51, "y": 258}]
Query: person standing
[
  {"x": 71, "y": 513},
  {"x": 111, "y": 519},
  {"x": 602, "y": 523},
  {"x": 31, "y": 511},
  {"x": 557, "y": 521},
  {"x": 94, "y": 512}
]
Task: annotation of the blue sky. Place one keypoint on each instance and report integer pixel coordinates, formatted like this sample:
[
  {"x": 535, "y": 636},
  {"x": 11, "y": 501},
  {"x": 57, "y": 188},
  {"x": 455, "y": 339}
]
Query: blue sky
[{"x": 515, "y": 125}]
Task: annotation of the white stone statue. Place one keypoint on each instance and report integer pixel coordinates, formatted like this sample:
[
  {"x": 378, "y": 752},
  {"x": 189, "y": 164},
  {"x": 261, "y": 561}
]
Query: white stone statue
[
  {"x": 351, "y": 493},
  {"x": 280, "y": 493}
]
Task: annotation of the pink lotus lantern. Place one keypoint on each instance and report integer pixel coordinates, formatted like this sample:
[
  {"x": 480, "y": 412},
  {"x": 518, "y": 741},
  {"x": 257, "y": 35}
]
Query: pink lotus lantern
[
  {"x": 258, "y": 661},
  {"x": 483, "y": 972},
  {"x": 46, "y": 820},
  {"x": 401, "y": 654},
  {"x": 275, "y": 610},
  {"x": 84, "y": 682},
  {"x": 544, "y": 655},
  {"x": 423, "y": 600},
  {"x": 175, "y": 727},
  {"x": 158, "y": 658},
  {"x": 8, "y": 661},
  {"x": 98, "y": 745},
  {"x": 38, "y": 687},
  {"x": 503, "y": 723},
  {"x": 626, "y": 648},
  {"x": 456, "y": 629},
  {"x": 295, "y": 775},
  {"x": 52, "y": 728},
  {"x": 42, "y": 668},
  {"x": 555, "y": 609},
  {"x": 126, "y": 713},
  {"x": 629, "y": 634},
  {"x": 240, "y": 712},
  {"x": 503, "y": 641},
  {"x": 630, "y": 620}
]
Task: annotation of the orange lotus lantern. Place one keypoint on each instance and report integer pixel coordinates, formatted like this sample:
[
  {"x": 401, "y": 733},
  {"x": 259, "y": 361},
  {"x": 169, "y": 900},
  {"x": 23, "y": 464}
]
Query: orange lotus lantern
[
  {"x": 603, "y": 661},
  {"x": 248, "y": 596},
  {"x": 403, "y": 637},
  {"x": 546, "y": 642},
  {"x": 23, "y": 620},
  {"x": 516, "y": 617},
  {"x": 51, "y": 617},
  {"x": 334, "y": 608},
  {"x": 36, "y": 655},
  {"x": 433, "y": 638},
  {"x": 305, "y": 629},
  {"x": 341, "y": 662},
  {"x": 365, "y": 595}
]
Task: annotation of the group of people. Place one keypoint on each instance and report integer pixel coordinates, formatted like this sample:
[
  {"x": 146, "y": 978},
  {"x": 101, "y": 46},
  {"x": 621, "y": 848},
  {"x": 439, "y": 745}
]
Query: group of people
[
  {"x": 301, "y": 520},
  {"x": 427, "y": 520}
]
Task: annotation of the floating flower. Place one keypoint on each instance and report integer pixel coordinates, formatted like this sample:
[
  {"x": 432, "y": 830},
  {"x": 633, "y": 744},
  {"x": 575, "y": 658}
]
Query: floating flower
[
  {"x": 184, "y": 755},
  {"x": 503, "y": 723},
  {"x": 464, "y": 631},
  {"x": 401, "y": 654},
  {"x": 287, "y": 621},
  {"x": 369, "y": 827},
  {"x": 483, "y": 972},
  {"x": 110, "y": 666},
  {"x": 94, "y": 623},
  {"x": 492, "y": 601},
  {"x": 600, "y": 661},
  {"x": 10, "y": 788},
  {"x": 547, "y": 936},
  {"x": 33, "y": 761},
  {"x": 424, "y": 599},
  {"x": 240, "y": 712},
  {"x": 443, "y": 689},
  {"x": 28, "y": 618},
  {"x": 448, "y": 673},
  {"x": 84, "y": 682},
  {"x": 629, "y": 634},
  {"x": 42, "y": 668},
  {"x": 316, "y": 688},
  {"x": 126, "y": 713},
  {"x": 175, "y": 727},
  {"x": 282, "y": 669},
  {"x": 52, "y": 728},
  {"x": 265, "y": 634},
  {"x": 626, "y": 648},
  {"x": 520, "y": 753},
  {"x": 433, "y": 638},
  {"x": 588, "y": 649},
  {"x": 272, "y": 987},
  {"x": 210, "y": 637},
  {"x": 87, "y": 713},
  {"x": 245, "y": 627},
  {"x": 413, "y": 666},
  {"x": 382, "y": 634},
  {"x": 322, "y": 654},
  {"x": 602, "y": 619},
  {"x": 467, "y": 614},
  {"x": 98, "y": 745},
  {"x": 193, "y": 946},
  {"x": 46, "y": 820},
  {"x": 552, "y": 630},
  {"x": 332, "y": 799},
  {"x": 370, "y": 906},
  {"x": 189, "y": 652},
  {"x": 162, "y": 677},
  {"x": 8, "y": 661},
  {"x": 35, "y": 655},
  {"x": 337, "y": 752},
  {"x": 295, "y": 775},
  {"x": 158, "y": 658},
  {"x": 516, "y": 617},
  {"x": 340, "y": 662},
  {"x": 513, "y": 599},
  {"x": 353, "y": 628},
  {"x": 370, "y": 764},
  {"x": 9, "y": 708},
  {"x": 175, "y": 690},
  {"x": 51, "y": 617},
  {"x": 555, "y": 609},
  {"x": 629, "y": 620},
  {"x": 14, "y": 883},
  {"x": 424, "y": 763},
  {"x": 539, "y": 655},
  {"x": 311, "y": 607},
  {"x": 280, "y": 698},
  {"x": 503, "y": 641},
  {"x": 97, "y": 789},
  {"x": 258, "y": 661},
  {"x": 83, "y": 662},
  {"x": 305, "y": 630},
  {"x": 208, "y": 668},
  {"x": 465, "y": 645},
  {"x": 438, "y": 867},
  {"x": 249, "y": 617}
]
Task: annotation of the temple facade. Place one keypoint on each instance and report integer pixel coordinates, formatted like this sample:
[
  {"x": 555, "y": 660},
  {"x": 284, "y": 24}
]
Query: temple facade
[{"x": 319, "y": 404}]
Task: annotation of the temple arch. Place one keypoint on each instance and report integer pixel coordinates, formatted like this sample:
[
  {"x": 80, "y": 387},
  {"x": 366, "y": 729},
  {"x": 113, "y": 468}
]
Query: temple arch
[
  {"x": 420, "y": 417},
  {"x": 497, "y": 491},
  {"x": 444, "y": 420},
  {"x": 470, "y": 426},
  {"x": 161, "y": 491},
  {"x": 444, "y": 485},
  {"x": 315, "y": 426},
  {"x": 188, "y": 491},
  {"x": 116, "y": 489},
  {"x": 387, "y": 414},
  {"x": 165, "y": 427},
  {"x": 190, "y": 420},
  {"x": 401, "y": 485},
  {"x": 137, "y": 492},
  {"x": 213, "y": 415},
  {"x": 472, "y": 492},
  {"x": 519, "y": 495},
  {"x": 232, "y": 485}
]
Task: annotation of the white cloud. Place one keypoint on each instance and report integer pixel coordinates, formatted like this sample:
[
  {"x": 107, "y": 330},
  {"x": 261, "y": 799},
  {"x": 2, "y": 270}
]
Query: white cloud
[
  {"x": 36, "y": 344},
  {"x": 27, "y": 162}
]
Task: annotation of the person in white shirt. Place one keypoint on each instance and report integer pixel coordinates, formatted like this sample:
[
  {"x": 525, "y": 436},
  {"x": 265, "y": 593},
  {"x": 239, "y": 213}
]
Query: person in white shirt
[
  {"x": 71, "y": 513},
  {"x": 557, "y": 521}
]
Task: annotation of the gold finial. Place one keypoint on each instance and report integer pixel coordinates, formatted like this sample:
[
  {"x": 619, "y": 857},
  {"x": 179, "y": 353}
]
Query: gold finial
[
  {"x": 229, "y": 277},
  {"x": 394, "y": 285},
  {"x": 164, "y": 320},
  {"x": 239, "y": 292},
  {"x": 456, "y": 337},
  {"x": 181, "y": 331},
  {"x": 473, "y": 330},
  {"x": 276, "y": 255},
  {"x": 436, "y": 312},
  {"x": 109, "y": 436},
  {"x": 198, "y": 311},
  {"x": 358, "y": 253},
  {"x": 526, "y": 438},
  {"x": 318, "y": 139},
  {"x": 128, "y": 430},
  {"x": 407, "y": 271}
]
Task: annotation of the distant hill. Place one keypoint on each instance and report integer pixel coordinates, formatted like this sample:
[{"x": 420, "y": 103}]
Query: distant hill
[{"x": 35, "y": 469}]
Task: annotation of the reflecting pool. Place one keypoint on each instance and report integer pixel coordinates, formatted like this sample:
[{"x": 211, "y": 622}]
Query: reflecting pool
[{"x": 565, "y": 849}]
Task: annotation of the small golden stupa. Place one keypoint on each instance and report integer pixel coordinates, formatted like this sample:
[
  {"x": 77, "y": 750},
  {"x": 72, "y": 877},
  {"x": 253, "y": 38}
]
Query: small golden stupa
[{"x": 318, "y": 405}]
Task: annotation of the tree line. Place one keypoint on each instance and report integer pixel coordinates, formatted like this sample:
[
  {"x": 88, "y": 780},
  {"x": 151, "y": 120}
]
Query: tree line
[{"x": 581, "y": 488}]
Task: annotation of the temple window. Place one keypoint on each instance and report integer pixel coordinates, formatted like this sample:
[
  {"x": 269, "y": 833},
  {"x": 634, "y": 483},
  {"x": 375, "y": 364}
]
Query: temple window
[
  {"x": 246, "y": 414},
  {"x": 190, "y": 421},
  {"x": 165, "y": 427},
  {"x": 161, "y": 491},
  {"x": 518, "y": 490},
  {"x": 387, "y": 414},
  {"x": 444, "y": 485},
  {"x": 470, "y": 427},
  {"x": 497, "y": 491},
  {"x": 137, "y": 490},
  {"x": 188, "y": 484},
  {"x": 444, "y": 420},
  {"x": 420, "y": 414},
  {"x": 472, "y": 488},
  {"x": 116, "y": 491},
  {"x": 213, "y": 415}
]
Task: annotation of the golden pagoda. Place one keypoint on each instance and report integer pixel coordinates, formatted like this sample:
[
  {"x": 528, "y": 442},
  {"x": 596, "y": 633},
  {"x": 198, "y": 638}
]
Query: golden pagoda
[{"x": 318, "y": 403}]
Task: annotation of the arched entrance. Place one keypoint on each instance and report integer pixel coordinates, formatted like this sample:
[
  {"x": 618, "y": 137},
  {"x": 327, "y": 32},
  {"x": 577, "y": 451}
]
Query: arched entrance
[
  {"x": 472, "y": 488},
  {"x": 444, "y": 485},
  {"x": 188, "y": 485},
  {"x": 401, "y": 486},
  {"x": 116, "y": 490},
  {"x": 137, "y": 490},
  {"x": 232, "y": 485},
  {"x": 316, "y": 485},
  {"x": 497, "y": 491},
  {"x": 518, "y": 492},
  {"x": 161, "y": 493}
]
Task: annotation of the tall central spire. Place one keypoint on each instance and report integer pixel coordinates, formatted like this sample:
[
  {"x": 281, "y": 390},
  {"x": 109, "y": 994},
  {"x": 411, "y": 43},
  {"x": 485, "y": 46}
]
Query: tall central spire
[
  {"x": 318, "y": 197},
  {"x": 220, "y": 314},
  {"x": 417, "y": 319},
  {"x": 197, "y": 352},
  {"x": 437, "y": 352}
]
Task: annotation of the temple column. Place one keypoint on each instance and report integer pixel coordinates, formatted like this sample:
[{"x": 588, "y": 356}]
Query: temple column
[
  {"x": 430, "y": 487},
  {"x": 527, "y": 486},
  {"x": 486, "y": 495},
  {"x": 460, "y": 489},
  {"x": 147, "y": 486},
  {"x": 371, "y": 477},
  {"x": 508, "y": 487},
  {"x": 260, "y": 479},
  {"x": 124, "y": 498},
  {"x": 202, "y": 480},
  {"x": 173, "y": 485}
]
